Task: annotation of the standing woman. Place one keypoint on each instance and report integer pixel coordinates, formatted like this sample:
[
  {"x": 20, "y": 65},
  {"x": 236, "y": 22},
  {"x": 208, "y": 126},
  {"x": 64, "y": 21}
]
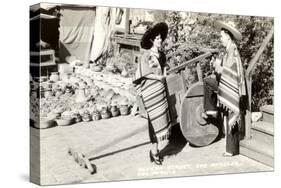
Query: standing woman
[{"x": 151, "y": 86}]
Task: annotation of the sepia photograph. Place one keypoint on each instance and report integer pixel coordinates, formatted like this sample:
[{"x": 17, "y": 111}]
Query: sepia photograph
[{"x": 119, "y": 93}]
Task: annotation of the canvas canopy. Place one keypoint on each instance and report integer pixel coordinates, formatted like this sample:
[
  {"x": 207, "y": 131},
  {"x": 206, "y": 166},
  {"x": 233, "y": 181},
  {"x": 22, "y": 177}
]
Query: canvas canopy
[
  {"x": 76, "y": 32},
  {"x": 85, "y": 32}
]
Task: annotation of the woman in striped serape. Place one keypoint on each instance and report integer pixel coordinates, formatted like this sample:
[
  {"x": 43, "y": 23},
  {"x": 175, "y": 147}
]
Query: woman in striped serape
[
  {"x": 231, "y": 86},
  {"x": 151, "y": 86}
]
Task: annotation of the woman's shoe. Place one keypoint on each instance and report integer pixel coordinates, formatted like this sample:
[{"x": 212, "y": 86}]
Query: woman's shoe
[
  {"x": 155, "y": 158},
  {"x": 212, "y": 113}
]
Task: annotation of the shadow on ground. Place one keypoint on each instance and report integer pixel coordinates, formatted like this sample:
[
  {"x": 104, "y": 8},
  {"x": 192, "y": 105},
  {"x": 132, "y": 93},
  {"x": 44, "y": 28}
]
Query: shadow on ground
[
  {"x": 119, "y": 151},
  {"x": 176, "y": 144}
]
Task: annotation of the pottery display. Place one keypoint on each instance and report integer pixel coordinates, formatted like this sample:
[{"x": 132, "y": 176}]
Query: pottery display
[{"x": 84, "y": 96}]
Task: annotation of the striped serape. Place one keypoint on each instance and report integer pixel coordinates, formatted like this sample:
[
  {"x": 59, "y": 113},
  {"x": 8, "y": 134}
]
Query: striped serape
[
  {"x": 232, "y": 84},
  {"x": 154, "y": 97}
]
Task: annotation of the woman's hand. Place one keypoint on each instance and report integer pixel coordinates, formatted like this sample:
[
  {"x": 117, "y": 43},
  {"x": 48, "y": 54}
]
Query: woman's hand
[
  {"x": 217, "y": 65},
  {"x": 156, "y": 77}
]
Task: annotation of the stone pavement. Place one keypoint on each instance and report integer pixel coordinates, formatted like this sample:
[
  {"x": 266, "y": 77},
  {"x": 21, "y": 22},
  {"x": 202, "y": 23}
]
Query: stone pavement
[{"x": 129, "y": 158}]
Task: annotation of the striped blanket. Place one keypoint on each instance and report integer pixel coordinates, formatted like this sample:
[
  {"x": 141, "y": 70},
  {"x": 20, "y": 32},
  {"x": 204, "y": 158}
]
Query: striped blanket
[
  {"x": 232, "y": 84},
  {"x": 154, "y": 97},
  {"x": 156, "y": 104}
]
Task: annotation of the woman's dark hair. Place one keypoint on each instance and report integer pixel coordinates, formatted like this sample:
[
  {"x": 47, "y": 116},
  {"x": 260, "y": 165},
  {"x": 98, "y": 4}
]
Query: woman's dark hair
[
  {"x": 162, "y": 59},
  {"x": 151, "y": 33},
  {"x": 153, "y": 36}
]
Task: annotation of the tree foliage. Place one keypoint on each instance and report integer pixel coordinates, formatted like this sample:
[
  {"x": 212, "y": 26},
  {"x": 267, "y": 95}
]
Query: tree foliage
[{"x": 195, "y": 33}]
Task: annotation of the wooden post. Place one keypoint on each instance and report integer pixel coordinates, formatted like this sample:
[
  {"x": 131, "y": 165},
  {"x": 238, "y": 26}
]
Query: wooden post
[
  {"x": 199, "y": 72},
  {"x": 127, "y": 22},
  {"x": 248, "y": 120}
]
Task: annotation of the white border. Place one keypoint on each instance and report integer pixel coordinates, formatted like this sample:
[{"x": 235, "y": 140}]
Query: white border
[{"x": 14, "y": 92}]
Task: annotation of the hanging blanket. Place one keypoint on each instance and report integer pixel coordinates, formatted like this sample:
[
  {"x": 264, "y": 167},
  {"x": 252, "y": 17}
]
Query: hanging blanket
[{"x": 76, "y": 32}]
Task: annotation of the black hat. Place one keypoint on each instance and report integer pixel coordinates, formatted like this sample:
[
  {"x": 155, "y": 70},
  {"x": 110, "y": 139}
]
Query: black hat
[
  {"x": 160, "y": 28},
  {"x": 230, "y": 26}
]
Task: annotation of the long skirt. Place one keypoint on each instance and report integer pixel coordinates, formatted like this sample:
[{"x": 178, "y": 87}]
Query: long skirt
[{"x": 154, "y": 96}]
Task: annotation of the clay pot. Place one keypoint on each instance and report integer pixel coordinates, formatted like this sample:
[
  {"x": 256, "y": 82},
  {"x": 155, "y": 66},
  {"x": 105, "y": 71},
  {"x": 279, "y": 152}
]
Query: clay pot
[
  {"x": 105, "y": 114},
  {"x": 45, "y": 123},
  {"x": 64, "y": 121},
  {"x": 114, "y": 111},
  {"x": 81, "y": 96},
  {"x": 77, "y": 118},
  {"x": 86, "y": 117},
  {"x": 124, "y": 110},
  {"x": 53, "y": 116},
  {"x": 97, "y": 68},
  {"x": 124, "y": 73},
  {"x": 96, "y": 116}
]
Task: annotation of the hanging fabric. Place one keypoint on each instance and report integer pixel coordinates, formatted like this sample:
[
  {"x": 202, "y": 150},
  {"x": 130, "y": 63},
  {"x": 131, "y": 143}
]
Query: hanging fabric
[
  {"x": 104, "y": 28},
  {"x": 76, "y": 32}
]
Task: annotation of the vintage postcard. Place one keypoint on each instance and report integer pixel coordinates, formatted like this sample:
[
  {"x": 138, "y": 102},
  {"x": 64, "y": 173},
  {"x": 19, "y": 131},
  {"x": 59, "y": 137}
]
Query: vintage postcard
[{"x": 128, "y": 94}]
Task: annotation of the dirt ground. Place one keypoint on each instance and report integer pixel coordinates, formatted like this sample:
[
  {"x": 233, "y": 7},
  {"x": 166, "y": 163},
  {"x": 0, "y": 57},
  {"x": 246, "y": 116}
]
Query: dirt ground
[{"x": 128, "y": 159}]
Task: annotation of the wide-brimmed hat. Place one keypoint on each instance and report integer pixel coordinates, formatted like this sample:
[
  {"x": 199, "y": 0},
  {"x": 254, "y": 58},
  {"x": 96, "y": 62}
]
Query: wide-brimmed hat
[
  {"x": 229, "y": 26},
  {"x": 159, "y": 28}
]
